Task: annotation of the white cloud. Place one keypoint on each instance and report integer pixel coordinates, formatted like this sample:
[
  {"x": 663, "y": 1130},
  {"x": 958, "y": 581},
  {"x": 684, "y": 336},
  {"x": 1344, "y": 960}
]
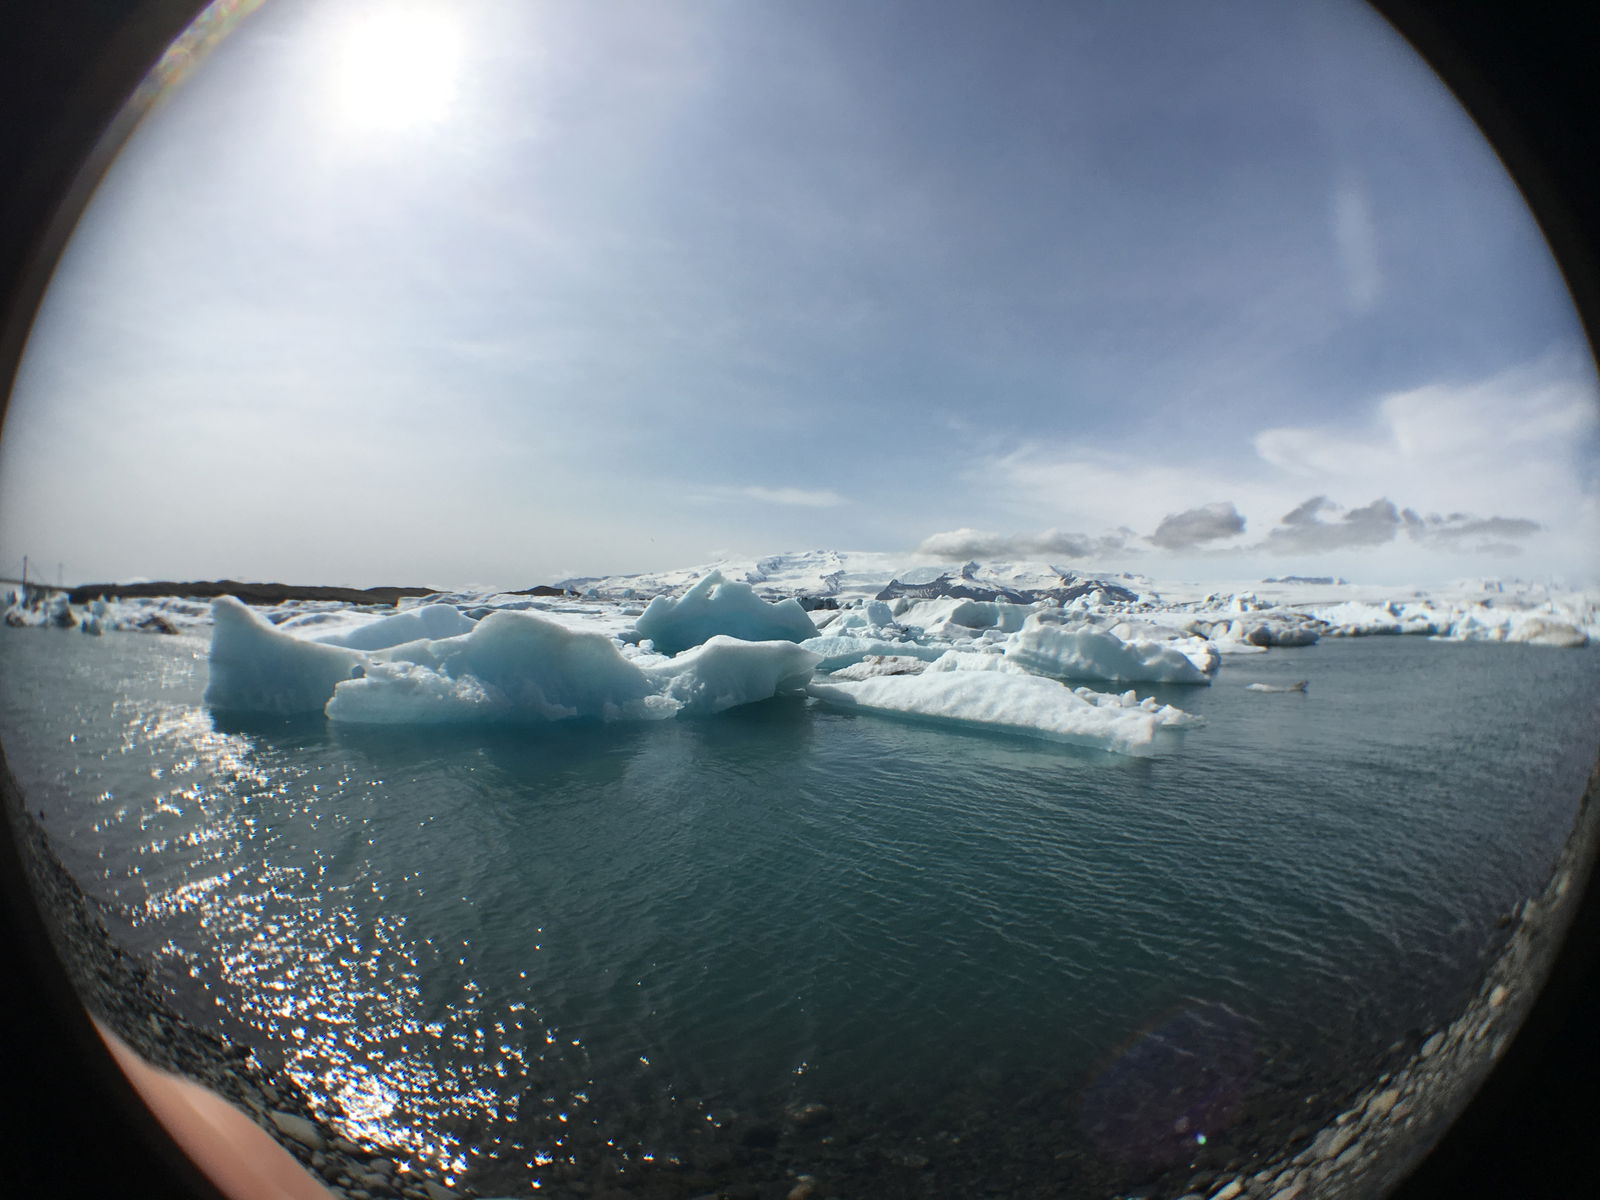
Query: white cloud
[
  {"x": 1510, "y": 460},
  {"x": 1521, "y": 442}
]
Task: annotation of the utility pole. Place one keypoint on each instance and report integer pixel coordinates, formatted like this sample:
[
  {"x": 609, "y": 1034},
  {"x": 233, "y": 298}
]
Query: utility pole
[{"x": 24, "y": 572}]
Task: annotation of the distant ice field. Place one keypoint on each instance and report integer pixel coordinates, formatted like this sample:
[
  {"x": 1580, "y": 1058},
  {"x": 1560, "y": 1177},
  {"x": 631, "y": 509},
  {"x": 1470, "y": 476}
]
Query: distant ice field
[{"x": 504, "y": 948}]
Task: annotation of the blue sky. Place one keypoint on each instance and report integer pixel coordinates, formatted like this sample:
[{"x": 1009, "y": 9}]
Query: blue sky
[{"x": 497, "y": 292}]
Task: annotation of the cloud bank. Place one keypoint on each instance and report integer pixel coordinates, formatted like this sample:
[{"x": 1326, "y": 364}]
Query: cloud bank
[
  {"x": 1317, "y": 525},
  {"x": 1050, "y": 544},
  {"x": 1197, "y": 526}
]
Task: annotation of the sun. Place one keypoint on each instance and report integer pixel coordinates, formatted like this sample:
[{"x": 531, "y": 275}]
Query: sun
[{"x": 396, "y": 67}]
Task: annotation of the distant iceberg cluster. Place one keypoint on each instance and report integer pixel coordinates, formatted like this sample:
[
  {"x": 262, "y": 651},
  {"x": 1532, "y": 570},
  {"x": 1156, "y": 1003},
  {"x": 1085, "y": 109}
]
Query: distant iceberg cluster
[
  {"x": 994, "y": 665},
  {"x": 1024, "y": 649}
]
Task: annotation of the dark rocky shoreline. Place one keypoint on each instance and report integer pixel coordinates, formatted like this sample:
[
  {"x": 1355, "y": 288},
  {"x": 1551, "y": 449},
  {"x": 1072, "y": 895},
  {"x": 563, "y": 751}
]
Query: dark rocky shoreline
[
  {"x": 250, "y": 593},
  {"x": 1281, "y": 1144}
]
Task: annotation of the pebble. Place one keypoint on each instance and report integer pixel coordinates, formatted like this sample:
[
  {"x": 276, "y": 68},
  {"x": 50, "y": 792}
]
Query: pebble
[
  {"x": 1430, "y": 1046},
  {"x": 298, "y": 1128},
  {"x": 1228, "y": 1192},
  {"x": 1383, "y": 1102},
  {"x": 1348, "y": 1159},
  {"x": 382, "y": 1166},
  {"x": 1288, "y": 1193},
  {"x": 806, "y": 1115},
  {"x": 1331, "y": 1142},
  {"x": 1498, "y": 996},
  {"x": 436, "y": 1192}
]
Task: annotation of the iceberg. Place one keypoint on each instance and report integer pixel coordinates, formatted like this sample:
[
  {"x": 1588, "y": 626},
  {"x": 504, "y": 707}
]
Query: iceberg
[
  {"x": 512, "y": 667},
  {"x": 718, "y": 606},
  {"x": 1086, "y": 653},
  {"x": 726, "y": 672},
  {"x": 837, "y": 652},
  {"x": 881, "y": 664},
  {"x": 430, "y": 621},
  {"x": 256, "y": 668},
  {"x": 1003, "y": 702},
  {"x": 949, "y": 616}
]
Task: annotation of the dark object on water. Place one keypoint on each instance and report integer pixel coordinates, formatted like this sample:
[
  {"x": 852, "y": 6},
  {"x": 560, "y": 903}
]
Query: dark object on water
[{"x": 1298, "y": 686}]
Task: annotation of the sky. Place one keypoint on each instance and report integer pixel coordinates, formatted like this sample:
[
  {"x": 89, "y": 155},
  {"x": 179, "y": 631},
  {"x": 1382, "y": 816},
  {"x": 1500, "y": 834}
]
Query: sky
[{"x": 499, "y": 292}]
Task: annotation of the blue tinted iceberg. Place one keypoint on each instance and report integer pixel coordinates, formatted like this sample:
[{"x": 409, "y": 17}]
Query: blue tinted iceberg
[
  {"x": 513, "y": 667},
  {"x": 717, "y": 606},
  {"x": 256, "y": 668}
]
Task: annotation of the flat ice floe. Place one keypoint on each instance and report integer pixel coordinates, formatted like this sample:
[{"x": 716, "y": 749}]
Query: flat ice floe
[{"x": 1002, "y": 701}]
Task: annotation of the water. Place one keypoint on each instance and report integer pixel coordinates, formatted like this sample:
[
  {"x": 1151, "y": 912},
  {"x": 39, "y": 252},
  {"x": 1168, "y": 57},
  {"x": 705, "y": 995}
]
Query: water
[{"x": 517, "y": 954}]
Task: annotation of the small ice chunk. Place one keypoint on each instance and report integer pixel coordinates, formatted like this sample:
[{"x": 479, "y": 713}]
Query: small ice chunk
[
  {"x": 719, "y": 606},
  {"x": 837, "y": 652},
  {"x": 881, "y": 664}
]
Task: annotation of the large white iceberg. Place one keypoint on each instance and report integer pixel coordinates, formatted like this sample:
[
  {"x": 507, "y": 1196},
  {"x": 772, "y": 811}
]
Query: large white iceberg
[
  {"x": 256, "y": 668},
  {"x": 1004, "y": 702},
  {"x": 719, "y": 606},
  {"x": 1083, "y": 652}
]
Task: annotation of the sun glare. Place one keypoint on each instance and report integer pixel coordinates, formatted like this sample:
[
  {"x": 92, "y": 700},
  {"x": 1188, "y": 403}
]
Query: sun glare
[{"x": 397, "y": 67}]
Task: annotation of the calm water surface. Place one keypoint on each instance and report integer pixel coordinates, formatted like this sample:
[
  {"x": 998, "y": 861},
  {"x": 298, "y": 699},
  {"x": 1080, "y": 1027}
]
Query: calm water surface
[{"x": 505, "y": 950}]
